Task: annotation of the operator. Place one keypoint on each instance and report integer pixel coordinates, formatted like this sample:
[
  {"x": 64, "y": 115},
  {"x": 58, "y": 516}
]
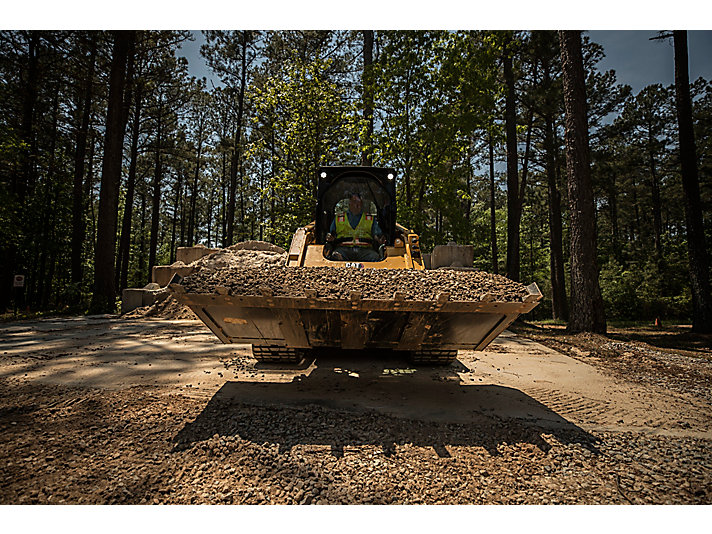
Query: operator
[{"x": 354, "y": 226}]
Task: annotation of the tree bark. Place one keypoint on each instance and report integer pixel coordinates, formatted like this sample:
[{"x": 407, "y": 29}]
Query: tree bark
[
  {"x": 45, "y": 239},
  {"x": 559, "y": 305},
  {"x": 103, "y": 299},
  {"x": 513, "y": 209},
  {"x": 176, "y": 206},
  {"x": 612, "y": 195},
  {"x": 142, "y": 235},
  {"x": 156, "y": 194},
  {"x": 367, "y": 82},
  {"x": 78, "y": 202},
  {"x": 20, "y": 182},
  {"x": 237, "y": 152},
  {"x": 586, "y": 312},
  {"x": 696, "y": 247},
  {"x": 657, "y": 207},
  {"x": 125, "y": 241},
  {"x": 22, "y": 187},
  {"x": 192, "y": 220},
  {"x": 493, "y": 208}
]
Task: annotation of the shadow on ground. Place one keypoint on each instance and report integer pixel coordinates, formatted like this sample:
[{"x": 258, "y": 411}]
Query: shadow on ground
[{"x": 347, "y": 401}]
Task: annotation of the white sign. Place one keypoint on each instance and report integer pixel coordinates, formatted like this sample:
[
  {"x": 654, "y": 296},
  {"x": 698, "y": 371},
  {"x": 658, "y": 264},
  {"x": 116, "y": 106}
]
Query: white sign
[{"x": 19, "y": 280}]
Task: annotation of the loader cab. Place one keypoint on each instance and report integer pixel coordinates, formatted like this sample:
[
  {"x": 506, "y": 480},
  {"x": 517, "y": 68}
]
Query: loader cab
[{"x": 377, "y": 187}]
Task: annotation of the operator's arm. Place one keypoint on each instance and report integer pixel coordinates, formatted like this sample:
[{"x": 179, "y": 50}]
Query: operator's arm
[
  {"x": 377, "y": 233},
  {"x": 332, "y": 232},
  {"x": 375, "y": 229}
]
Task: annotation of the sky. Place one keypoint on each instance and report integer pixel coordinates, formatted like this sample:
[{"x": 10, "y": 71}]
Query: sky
[{"x": 637, "y": 60}]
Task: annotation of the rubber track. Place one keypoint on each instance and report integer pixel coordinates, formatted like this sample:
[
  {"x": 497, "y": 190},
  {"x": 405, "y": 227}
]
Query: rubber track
[
  {"x": 433, "y": 357},
  {"x": 272, "y": 354}
]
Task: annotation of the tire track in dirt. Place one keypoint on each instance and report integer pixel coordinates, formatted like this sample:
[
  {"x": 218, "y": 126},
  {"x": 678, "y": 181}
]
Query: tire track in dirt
[{"x": 609, "y": 415}]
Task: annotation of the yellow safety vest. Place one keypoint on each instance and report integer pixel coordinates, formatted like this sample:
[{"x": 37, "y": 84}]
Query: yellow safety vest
[{"x": 362, "y": 230}]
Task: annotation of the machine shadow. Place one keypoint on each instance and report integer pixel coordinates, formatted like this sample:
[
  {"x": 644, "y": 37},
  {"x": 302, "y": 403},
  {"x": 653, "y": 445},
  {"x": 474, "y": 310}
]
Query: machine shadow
[{"x": 345, "y": 401}]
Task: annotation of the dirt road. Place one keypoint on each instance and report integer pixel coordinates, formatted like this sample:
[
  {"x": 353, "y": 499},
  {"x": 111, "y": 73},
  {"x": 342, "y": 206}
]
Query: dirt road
[{"x": 109, "y": 410}]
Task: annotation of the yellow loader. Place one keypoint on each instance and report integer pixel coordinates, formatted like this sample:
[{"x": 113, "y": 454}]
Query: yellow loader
[{"x": 282, "y": 328}]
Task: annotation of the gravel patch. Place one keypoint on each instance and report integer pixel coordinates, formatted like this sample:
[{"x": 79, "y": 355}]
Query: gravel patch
[
  {"x": 339, "y": 283},
  {"x": 140, "y": 446}
]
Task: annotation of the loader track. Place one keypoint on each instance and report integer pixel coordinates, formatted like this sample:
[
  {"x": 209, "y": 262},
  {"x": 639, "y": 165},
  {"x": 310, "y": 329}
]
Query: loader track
[
  {"x": 433, "y": 357},
  {"x": 277, "y": 354}
]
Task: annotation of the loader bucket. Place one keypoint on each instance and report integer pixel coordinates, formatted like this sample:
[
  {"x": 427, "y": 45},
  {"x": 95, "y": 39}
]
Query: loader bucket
[{"x": 280, "y": 328}]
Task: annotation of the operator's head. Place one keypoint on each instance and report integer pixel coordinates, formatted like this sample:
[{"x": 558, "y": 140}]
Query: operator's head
[{"x": 355, "y": 203}]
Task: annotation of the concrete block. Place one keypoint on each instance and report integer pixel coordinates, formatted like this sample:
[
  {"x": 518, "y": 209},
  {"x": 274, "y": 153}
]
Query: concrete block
[
  {"x": 151, "y": 297},
  {"x": 162, "y": 274},
  {"x": 426, "y": 260},
  {"x": 131, "y": 299},
  {"x": 189, "y": 254},
  {"x": 452, "y": 256},
  {"x": 136, "y": 298}
]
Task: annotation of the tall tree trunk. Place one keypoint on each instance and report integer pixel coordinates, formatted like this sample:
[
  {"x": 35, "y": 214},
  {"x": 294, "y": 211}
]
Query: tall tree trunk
[
  {"x": 20, "y": 182},
  {"x": 223, "y": 204},
  {"x": 103, "y": 299},
  {"x": 237, "y": 152},
  {"x": 699, "y": 265},
  {"x": 586, "y": 313},
  {"x": 273, "y": 202},
  {"x": 125, "y": 240},
  {"x": 78, "y": 201},
  {"x": 612, "y": 193},
  {"x": 51, "y": 197},
  {"x": 27, "y": 179},
  {"x": 156, "y": 194},
  {"x": 242, "y": 203},
  {"x": 367, "y": 81},
  {"x": 636, "y": 210},
  {"x": 180, "y": 204},
  {"x": 211, "y": 199},
  {"x": 559, "y": 306},
  {"x": 262, "y": 199},
  {"x": 42, "y": 238},
  {"x": 657, "y": 207},
  {"x": 176, "y": 206},
  {"x": 88, "y": 198},
  {"x": 493, "y": 208},
  {"x": 525, "y": 164},
  {"x": 129, "y": 91},
  {"x": 513, "y": 210},
  {"x": 192, "y": 222},
  {"x": 142, "y": 236}
]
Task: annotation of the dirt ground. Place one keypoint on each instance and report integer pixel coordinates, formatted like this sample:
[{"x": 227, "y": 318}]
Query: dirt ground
[{"x": 103, "y": 410}]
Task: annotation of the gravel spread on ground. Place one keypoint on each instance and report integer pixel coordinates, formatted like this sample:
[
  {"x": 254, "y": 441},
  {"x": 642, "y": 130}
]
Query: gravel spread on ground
[
  {"x": 161, "y": 444},
  {"x": 339, "y": 283},
  {"x": 141, "y": 445}
]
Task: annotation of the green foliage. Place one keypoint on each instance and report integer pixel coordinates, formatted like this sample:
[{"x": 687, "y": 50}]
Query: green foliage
[
  {"x": 640, "y": 293},
  {"x": 438, "y": 101},
  {"x": 310, "y": 123}
]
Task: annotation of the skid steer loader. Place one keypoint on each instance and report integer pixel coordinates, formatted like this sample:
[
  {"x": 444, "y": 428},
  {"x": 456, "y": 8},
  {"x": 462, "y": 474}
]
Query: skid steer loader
[{"x": 280, "y": 329}]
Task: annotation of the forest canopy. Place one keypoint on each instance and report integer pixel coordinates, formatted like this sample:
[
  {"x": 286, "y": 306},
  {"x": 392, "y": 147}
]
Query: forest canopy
[{"x": 203, "y": 163}]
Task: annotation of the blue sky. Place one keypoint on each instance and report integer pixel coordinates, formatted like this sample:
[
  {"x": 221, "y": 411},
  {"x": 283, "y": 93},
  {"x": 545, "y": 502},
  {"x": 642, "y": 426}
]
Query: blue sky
[{"x": 637, "y": 60}]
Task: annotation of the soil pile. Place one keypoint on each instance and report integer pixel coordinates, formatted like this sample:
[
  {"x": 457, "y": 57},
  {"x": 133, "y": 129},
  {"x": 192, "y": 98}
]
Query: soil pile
[
  {"x": 246, "y": 255},
  {"x": 238, "y": 258},
  {"x": 168, "y": 308},
  {"x": 338, "y": 283}
]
